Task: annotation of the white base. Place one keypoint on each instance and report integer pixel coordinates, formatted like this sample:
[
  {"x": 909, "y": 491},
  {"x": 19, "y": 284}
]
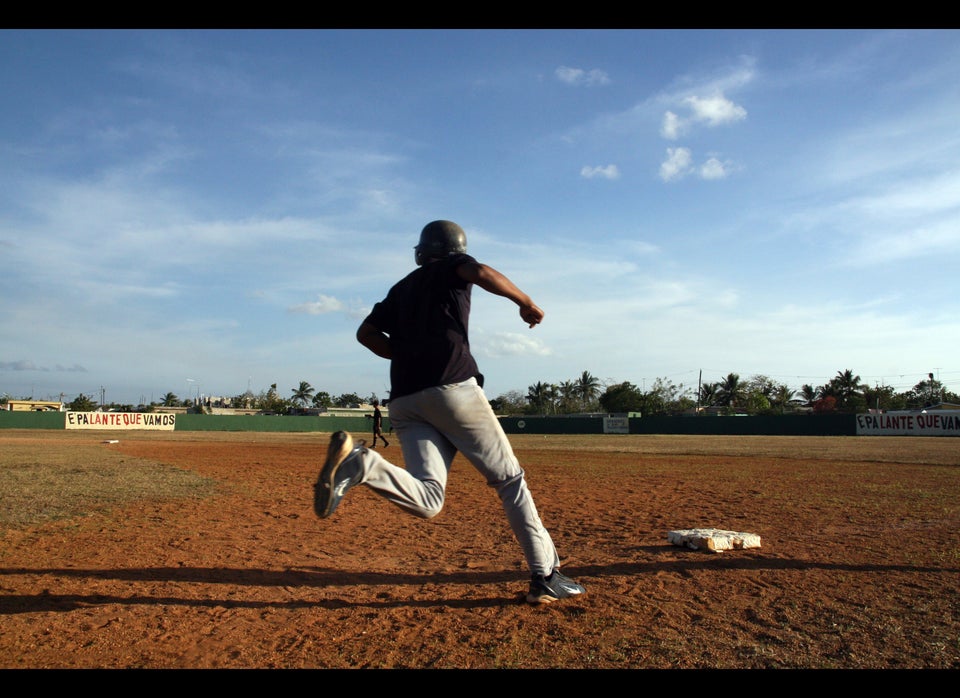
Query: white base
[{"x": 713, "y": 539}]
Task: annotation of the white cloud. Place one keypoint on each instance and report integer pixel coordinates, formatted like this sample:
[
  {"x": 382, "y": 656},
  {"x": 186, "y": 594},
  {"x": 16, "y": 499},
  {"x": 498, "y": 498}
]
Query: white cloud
[
  {"x": 608, "y": 172},
  {"x": 672, "y": 126},
  {"x": 912, "y": 197},
  {"x": 939, "y": 239},
  {"x": 321, "y": 306},
  {"x": 578, "y": 76},
  {"x": 512, "y": 344},
  {"x": 676, "y": 165},
  {"x": 713, "y": 169},
  {"x": 711, "y": 111},
  {"x": 679, "y": 164},
  {"x": 715, "y": 111}
]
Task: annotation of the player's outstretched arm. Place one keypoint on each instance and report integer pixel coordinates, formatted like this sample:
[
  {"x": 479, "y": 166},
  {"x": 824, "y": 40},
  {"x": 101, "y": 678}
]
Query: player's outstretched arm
[{"x": 492, "y": 281}]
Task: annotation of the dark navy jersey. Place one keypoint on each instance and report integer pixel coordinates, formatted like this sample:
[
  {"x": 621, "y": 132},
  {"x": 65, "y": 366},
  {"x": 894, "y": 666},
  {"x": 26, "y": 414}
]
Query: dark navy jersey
[{"x": 426, "y": 315}]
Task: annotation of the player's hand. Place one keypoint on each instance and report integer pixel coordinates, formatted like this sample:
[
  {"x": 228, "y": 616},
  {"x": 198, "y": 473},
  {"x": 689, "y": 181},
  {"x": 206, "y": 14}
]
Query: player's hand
[{"x": 531, "y": 314}]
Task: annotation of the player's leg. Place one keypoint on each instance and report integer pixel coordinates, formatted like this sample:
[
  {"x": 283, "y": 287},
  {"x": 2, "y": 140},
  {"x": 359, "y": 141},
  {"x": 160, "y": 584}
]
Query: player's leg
[
  {"x": 419, "y": 487},
  {"x": 467, "y": 419}
]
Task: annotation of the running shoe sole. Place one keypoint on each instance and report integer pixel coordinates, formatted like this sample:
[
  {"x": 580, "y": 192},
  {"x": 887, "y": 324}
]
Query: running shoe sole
[{"x": 341, "y": 444}]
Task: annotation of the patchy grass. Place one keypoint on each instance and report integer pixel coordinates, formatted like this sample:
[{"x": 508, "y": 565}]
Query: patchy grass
[{"x": 64, "y": 480}]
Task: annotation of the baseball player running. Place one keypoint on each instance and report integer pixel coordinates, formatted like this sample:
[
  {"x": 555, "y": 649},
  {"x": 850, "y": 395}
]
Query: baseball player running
[{"x": 437, "y": 404}]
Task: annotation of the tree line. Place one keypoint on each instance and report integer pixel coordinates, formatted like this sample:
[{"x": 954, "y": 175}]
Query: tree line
[{"x": 756, "y": 395}]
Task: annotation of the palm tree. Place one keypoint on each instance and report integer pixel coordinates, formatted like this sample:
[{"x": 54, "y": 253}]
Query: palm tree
[
  {"x": 782, "y": 395},
  {"x": 588, "y": 388},
  {"x": 568, "y": 396},
  {"x": 170, "y": 400},
  {"x": 709, "y": 394},
  {"x": 730, "y": 390},
  {"x": 302, "y": 394},
  {"x": 846, "y": 385},
  {"x": 541, "y": 396}
]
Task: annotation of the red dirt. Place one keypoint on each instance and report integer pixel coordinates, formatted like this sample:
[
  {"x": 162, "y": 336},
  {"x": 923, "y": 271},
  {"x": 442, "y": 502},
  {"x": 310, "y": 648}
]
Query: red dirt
[{"x": 858, "y": 566}]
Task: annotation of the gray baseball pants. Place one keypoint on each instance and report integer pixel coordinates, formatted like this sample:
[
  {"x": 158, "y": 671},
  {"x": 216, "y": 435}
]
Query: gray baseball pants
[{"x": 435, "y": 424}]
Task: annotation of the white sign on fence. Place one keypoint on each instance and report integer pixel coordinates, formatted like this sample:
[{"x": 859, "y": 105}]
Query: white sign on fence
[
  {"x": 121, "y": 420},
  {"x": 943, "y": 423},
  {"x": 616, "y": 425}
]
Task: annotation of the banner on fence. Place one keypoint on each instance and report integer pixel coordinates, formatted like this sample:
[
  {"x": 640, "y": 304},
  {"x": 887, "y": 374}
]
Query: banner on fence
[
  {"x": 121, "y": 420},
  {"x": 616, "y": 425},
  {"x": 945, "y": 423}
]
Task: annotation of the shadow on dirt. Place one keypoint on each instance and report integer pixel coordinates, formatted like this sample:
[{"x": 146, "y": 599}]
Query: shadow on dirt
[{"x": 327, "y": 578}]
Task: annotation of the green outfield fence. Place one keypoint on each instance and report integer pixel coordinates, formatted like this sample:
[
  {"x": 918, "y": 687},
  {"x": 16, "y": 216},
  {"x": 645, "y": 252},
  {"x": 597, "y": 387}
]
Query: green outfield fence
[{"x": 771, "y": 425}]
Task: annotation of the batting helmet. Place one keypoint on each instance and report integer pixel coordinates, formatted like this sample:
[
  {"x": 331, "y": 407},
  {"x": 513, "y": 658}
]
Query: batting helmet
[{"x": 439, "y": 239}]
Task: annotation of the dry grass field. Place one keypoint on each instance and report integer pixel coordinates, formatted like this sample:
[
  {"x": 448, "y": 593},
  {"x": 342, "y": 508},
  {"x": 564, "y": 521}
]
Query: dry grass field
[{"x": 173, "y": 550}]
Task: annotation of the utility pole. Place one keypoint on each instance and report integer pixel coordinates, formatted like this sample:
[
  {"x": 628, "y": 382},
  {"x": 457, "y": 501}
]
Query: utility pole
[{"x": 699, "y": 388}]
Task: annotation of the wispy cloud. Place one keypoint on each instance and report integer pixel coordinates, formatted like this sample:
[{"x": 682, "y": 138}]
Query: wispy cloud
[
  {"x": 580, "y": 77},
  {"x": 712, "y": 111},
  {"x": 602, "y": 171},
  {"x": 26, "y": 365},
  {"x": 321, "y": 306},
  {"x": 511, "y": 344}
]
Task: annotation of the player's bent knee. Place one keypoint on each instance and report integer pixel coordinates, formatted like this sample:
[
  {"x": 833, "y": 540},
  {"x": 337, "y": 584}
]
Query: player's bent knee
[
  {"x": 429, "y": 513},
  {"x": 421, "y": 511}
]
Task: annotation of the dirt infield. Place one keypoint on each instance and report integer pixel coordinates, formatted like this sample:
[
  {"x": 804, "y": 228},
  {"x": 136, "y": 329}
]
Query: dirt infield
[{"x": 858, "y": 566}]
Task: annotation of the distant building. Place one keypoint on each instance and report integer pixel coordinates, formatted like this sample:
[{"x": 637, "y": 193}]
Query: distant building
[
  {"x": 35, "y": 406},
  {"x": 939, "y": 408}
]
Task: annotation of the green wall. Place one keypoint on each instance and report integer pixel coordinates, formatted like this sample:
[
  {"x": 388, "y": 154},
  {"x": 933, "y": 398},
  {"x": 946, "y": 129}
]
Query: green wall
[
  {"x": 552, "y": 425},
  {"x": 787, "y": 425},
  {"x": 31, "y": 420},
  {"x": 208, "y": 422},
  {"x": 772, "y": 425},
  {"x": 768, "y": 425},
  {"x": 213, "y": 422}
]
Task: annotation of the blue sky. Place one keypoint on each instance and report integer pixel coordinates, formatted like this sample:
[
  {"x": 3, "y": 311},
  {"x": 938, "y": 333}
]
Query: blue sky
[{"x": 205, "y": 211}]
